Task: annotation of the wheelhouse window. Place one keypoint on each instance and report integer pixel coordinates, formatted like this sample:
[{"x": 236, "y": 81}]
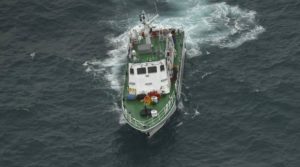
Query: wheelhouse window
[
  {"x": 131, "y": 71},
  {"x": 152, "y": 69},
  {"x": 141, "y": 70},
  {"x": 162, "y": 68}
]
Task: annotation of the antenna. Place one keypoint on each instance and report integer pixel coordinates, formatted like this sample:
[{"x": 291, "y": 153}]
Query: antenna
[
  {"x": 143, "y": 17},
  {"x": 156, "y": 7}
]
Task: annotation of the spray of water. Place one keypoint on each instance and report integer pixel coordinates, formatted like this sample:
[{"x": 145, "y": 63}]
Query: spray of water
[
  {"x": 205, "y": 24},
  {"x": 110, "y": 67},
  {"x": 217, "y": 24}
]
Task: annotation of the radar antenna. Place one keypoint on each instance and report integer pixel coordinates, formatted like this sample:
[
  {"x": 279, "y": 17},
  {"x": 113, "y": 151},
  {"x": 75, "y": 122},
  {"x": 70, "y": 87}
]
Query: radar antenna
[{"x": 156, "y": 7}]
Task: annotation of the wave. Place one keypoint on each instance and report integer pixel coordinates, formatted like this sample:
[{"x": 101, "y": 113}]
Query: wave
[
  {"x": 110, "y": 67},
  {"x": 217, "y": 24}
]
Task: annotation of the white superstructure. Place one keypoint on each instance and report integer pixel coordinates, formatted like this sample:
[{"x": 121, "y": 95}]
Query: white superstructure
[{"x": 149, "y": 76}]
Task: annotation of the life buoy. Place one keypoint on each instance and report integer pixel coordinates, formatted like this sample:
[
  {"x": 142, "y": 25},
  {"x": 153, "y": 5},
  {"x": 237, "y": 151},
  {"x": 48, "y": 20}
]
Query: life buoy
[
  {"x": 147, "y": 100},
  {"x": 154, "y": 93}
]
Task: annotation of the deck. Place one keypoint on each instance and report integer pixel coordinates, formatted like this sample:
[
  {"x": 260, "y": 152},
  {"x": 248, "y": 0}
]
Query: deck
[
  {"x": 134, "y": 108},
  {"x": 156, "y": 54}
]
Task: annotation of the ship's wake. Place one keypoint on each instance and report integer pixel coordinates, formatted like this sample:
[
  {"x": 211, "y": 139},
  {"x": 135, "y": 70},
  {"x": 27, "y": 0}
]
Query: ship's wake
[
  {"x": 217, "y": 24},
  {"x": 206, "y": 25}
]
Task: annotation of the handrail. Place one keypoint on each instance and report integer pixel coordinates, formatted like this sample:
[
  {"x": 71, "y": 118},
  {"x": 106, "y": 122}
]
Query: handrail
[{"x": 153, "y": 120}]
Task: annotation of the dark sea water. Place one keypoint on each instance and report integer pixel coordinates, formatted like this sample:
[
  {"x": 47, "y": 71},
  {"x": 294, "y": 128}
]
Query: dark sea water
[{"x": 61, "y": 72}]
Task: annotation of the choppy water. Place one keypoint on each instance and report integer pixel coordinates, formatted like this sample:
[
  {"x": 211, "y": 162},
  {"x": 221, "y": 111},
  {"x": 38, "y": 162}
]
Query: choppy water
[{"x": 61, "y": 71}]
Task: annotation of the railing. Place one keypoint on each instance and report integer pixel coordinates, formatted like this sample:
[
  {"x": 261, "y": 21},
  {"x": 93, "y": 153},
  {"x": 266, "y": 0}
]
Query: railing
[{"x": 153, "y": 120}]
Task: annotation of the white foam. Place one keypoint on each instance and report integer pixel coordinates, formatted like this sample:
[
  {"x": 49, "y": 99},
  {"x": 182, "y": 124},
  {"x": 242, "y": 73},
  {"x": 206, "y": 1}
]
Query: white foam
[
  {"x": 122, "y": 120},
  {"x": 184, "y": 96},
  {"x": 180, "y": 105},
  {"x": 88, "y": 69},
  {"x": 110, "y": 66},
  {"x": 32, "y": 55},
  {"x": 206, "y": 74},
  {"x": 85, "y": 63},
  {"x": 251, "y": 35},
  {"x": 186, "y": 113},
  {"x": 216, "y": 24},
  {"x": 116, "y": 108},
  {"x": 179, "y": 124},
  {"x": 196, "y": 113}
]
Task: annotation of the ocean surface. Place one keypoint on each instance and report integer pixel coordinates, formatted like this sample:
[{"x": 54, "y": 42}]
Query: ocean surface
[{"x": 61, "y": 70}]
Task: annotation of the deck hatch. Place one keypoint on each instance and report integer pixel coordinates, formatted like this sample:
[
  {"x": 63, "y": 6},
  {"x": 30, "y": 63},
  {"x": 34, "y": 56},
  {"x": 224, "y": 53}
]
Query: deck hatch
[{"x": 144, "y": 48}]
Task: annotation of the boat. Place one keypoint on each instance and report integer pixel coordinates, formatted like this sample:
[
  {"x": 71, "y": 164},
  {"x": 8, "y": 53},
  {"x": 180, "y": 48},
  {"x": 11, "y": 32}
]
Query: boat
[{"x": 153, "y": 77}]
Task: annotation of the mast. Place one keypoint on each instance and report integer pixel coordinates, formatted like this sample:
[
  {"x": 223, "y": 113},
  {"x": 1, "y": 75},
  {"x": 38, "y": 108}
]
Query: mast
[{"x": 147, "y": 26}]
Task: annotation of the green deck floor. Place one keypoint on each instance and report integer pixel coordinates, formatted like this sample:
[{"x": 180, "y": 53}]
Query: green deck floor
[
  {"x": 154, "y": 56},
  {"x": 135, "y": 107}
]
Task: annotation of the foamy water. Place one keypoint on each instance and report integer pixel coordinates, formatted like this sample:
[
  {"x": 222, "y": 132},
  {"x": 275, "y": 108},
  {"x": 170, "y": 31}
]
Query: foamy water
[{"x": 217, "y": 24}]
